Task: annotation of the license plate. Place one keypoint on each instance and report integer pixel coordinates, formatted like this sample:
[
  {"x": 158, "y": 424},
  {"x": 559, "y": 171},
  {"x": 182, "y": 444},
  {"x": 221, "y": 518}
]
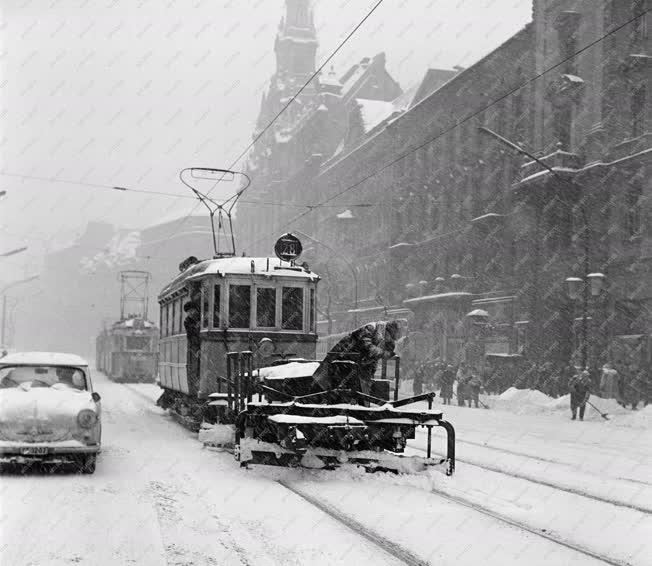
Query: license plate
[{"x": 35, "y": 451}]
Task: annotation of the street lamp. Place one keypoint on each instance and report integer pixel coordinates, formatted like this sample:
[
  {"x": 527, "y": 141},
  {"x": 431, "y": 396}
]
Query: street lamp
[
  {"x": 4, "y": 302},
  {"x": 348, "y": 263},
  {"x": 592, "y": 284}
]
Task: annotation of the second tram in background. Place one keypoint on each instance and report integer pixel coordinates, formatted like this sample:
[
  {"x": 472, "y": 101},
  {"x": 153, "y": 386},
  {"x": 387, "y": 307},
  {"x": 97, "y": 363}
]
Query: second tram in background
[{"x": 127, "y": 351}]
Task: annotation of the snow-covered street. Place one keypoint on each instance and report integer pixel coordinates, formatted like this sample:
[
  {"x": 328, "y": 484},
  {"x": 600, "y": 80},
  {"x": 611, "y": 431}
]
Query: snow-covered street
[{"x": 158, "y": 497}]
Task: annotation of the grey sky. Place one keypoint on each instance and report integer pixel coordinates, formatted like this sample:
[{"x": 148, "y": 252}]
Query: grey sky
[{"x": 129, "y": 92}]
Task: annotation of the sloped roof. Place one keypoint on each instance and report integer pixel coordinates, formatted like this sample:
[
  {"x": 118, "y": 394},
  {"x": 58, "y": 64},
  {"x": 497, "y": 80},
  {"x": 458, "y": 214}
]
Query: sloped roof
[
  {"x": 374, "y": 112},
  {"x": 433, "y": 79}
]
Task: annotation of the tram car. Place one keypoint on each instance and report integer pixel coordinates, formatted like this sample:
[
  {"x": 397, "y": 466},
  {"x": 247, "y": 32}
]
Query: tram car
[
  {"x": 230, "y": 304},
  {"x": 237, "y": 348},
  {"x": 128, "y": 351},
  {"x": 237, "y": 351}
]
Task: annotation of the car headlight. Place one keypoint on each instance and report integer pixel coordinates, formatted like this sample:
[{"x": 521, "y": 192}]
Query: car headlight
[{"x": 86, "y": 418}]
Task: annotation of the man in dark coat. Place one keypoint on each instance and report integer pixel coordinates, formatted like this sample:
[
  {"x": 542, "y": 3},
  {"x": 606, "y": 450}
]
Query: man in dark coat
[
  {"x": 473, "y": 387},
  {"x": 635, "y": 389},
  {"x": 365, "y": 346},
  {"x": 580, "y": 390},
  {"x": 419, "y": 379},
  {"x": 192, "y": 325},
  {"x": 447, "y": 380}
]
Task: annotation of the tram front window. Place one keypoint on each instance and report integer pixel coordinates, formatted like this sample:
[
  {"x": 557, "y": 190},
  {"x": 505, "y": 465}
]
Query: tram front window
[
  {"x": 292, "y": 308},
  {"x": 137, "y": 343},
  {"x": 239, "y": 306},
  {"x": 266, "y": 307}
]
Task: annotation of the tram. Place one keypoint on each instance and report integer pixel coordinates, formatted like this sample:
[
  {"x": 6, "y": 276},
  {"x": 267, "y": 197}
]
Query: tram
[
  {"x": 127, "y": 350},
  {"x": 230, "y": 304},
  {"x": 237, "y": 350}
]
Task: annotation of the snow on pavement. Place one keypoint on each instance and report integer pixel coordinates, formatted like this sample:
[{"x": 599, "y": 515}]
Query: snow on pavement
[{"x": 158, "y": 499}]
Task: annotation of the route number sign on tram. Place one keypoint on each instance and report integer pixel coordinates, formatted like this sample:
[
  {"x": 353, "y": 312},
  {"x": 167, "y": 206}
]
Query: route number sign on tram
[{"x": 288, "y": 248}]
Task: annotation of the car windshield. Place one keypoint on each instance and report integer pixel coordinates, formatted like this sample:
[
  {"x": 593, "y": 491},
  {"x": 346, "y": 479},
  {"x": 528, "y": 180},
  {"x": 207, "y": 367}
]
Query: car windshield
[{"x": 56, "y": 377}]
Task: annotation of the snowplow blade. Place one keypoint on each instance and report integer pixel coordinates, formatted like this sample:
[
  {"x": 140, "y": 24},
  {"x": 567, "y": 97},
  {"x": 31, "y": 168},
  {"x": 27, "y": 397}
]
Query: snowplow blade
[
  {"x": 252, "y": 451},
  {"x": 329, "y": 435}
]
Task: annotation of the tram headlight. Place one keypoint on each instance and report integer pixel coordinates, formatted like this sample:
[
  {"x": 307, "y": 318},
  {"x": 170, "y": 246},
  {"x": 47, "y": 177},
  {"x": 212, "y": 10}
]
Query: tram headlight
[{"x": 86, "y": 418}]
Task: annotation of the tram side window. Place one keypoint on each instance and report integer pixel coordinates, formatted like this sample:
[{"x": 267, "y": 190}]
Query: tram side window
[
  {"x": 137, "y": 343},
  {"x": 164, "y": 320},
  {"x": 174, "y": 318},
  {"x": 168, "y": 318},
  {"x": 313, "y": 309},
  {"x": 266, "y": 307},
  {"x": 204, "y": 307},
  {"x": 239, "y": 306},
  {"x": 292, "y": 308},
  {"x": 216, "y": 306}
]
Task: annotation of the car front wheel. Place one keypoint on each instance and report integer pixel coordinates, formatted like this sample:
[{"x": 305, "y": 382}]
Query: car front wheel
[{"x": 87, "y": 463}]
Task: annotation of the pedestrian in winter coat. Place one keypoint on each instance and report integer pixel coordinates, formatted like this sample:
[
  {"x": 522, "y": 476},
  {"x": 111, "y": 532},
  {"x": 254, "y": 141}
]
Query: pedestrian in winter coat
[
  {"x": 635, "y": 389},
  {"x": 609, "y": 383},
  {"x": 419, "y": 379},
  {"x": 473, "y": 388},
  {"x": 580, "y": 390},
  {"x": 447, "y": 380},
  {"x": 647, "y": 378},
  {"x": 463, "y": 377}
]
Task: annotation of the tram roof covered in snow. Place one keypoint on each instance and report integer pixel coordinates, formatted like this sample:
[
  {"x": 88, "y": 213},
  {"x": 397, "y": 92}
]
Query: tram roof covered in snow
[
  {"x": 261, "y": 266},
  {"x": 134, "y": 323}
]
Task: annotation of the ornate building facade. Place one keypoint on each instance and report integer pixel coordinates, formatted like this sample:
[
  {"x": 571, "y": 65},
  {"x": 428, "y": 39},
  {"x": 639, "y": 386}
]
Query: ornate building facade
[{"x": 422, "y": 210}]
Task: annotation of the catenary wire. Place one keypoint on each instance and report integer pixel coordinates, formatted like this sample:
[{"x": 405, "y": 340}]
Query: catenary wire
[
  {"x": 171, "y": 195},
  {"x": 459, "y": 123},
  {"x": 290, "y": 101}
]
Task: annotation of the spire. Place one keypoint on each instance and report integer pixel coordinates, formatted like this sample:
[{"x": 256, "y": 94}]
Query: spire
[
  {"x": 298, "y": 19},
  {"x": 296, "y": 42}
]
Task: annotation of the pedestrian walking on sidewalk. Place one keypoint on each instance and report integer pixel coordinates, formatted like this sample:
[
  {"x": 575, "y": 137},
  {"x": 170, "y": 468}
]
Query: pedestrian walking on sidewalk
[
  {"x": 609, "y": 383},
  {"x": 473, "y": 388},
  {"x": 447, "y": 380},
  {"x": 580, "y": 391}
]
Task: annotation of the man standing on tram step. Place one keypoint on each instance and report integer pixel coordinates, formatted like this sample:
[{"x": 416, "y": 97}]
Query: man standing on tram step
[
  {"x": 192, "y": 325},
  {"x": 580, "y": 390},
  {"x": 447, "y": 380}
]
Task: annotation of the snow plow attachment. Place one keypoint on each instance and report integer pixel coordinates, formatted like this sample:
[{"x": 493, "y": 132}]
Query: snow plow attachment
[
  {"x": 373, "y": 435},
  {"x": 322, "y": 414},
  {"x": 329, "y": 428}
]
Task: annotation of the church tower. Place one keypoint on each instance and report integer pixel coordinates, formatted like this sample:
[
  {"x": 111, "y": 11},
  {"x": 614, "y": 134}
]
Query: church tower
[{"x": 296, "y": 41}]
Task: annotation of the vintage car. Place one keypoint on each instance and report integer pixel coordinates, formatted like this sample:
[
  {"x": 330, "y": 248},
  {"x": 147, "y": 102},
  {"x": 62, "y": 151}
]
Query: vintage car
[{"x": 49, "y": 412}]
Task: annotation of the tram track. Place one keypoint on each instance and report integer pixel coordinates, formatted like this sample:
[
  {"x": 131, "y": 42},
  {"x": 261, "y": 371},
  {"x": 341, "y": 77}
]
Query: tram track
[
  {"x": 543, "y": 533},
  {"x": 407, "y": 557},
  {"x": 539, "y": 481},
  {"x": 541, "y": 459},
  {"x": 397, "y": 551}
]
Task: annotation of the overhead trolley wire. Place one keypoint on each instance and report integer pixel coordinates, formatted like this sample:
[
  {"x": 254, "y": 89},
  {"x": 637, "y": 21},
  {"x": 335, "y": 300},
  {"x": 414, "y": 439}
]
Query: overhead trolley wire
[
  {"x": 171, "y": 195},
  {"x": 461, "y": 122},
  {"x": 290, "y": 101}
]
